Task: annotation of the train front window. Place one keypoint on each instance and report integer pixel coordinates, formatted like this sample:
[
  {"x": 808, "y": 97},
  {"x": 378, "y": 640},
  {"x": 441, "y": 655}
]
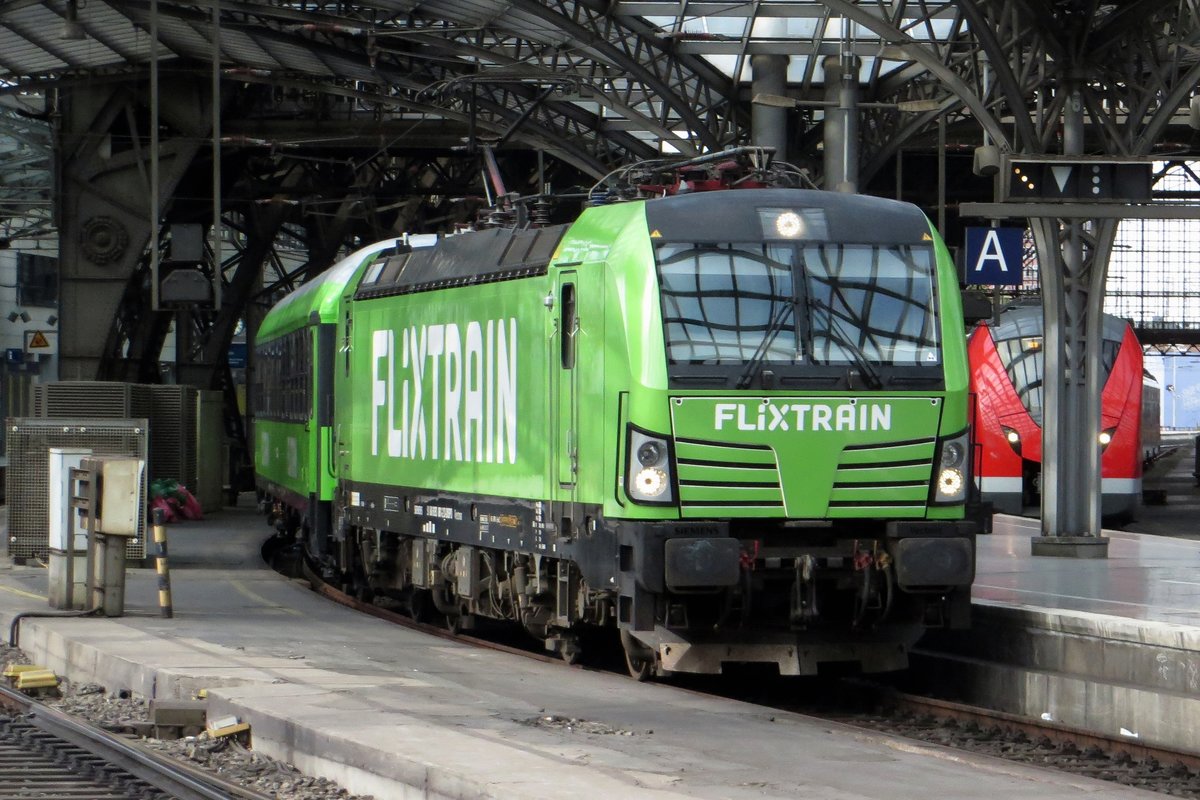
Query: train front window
[
  {"x": 871, "y": 303},
  {"x": 1023, "y": 357},
  {"x": 728, "y": 304},
  {"x": 798, "y": 304}
]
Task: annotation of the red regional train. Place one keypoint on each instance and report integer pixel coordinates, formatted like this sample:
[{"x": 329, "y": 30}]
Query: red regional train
[{"x": 1006, "y": 379}]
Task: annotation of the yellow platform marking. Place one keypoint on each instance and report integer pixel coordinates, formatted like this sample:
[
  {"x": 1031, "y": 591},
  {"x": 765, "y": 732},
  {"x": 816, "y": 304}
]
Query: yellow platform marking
[
  {"x": 258, "y": 598},
  {"x": 23, "y": 593}
]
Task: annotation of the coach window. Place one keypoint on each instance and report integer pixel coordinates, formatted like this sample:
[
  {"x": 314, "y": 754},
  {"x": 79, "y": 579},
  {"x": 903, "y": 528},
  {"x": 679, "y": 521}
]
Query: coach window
[{"x": 569, "y": 326}]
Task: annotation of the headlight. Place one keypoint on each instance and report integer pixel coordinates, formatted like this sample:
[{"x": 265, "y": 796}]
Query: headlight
[
  {"x": 789, "y": 225},
  {"x": 950, "y": 486},
  {"x": 649, "y": 454},
  {"x": 950, "y": 482},
  {"x": 650, "y": 481},
  {"x": 648, "y": 469},
  {"x": 1106, "y": 436},
  {"x": 1013, "y": 438}
]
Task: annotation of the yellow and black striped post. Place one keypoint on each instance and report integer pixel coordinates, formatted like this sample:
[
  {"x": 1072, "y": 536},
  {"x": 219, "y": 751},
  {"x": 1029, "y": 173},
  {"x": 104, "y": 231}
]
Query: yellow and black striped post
[{"x": 160, "y": 564}]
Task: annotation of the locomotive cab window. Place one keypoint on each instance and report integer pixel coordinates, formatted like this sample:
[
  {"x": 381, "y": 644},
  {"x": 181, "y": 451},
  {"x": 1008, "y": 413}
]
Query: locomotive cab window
[{"x": 799, "y": 306}]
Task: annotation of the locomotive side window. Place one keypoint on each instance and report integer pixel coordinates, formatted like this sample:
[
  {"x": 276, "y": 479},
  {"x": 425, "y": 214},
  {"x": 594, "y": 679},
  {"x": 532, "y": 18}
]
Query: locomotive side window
[{"x": 569, "y": 324}]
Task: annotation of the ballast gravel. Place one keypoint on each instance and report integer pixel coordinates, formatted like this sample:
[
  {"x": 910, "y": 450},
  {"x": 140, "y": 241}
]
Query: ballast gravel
[{"x": 224, "y": 757}]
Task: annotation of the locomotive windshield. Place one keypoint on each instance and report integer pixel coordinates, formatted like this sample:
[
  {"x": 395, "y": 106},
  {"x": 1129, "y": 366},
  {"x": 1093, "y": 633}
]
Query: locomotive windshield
[{"x": 799, "y": 304}]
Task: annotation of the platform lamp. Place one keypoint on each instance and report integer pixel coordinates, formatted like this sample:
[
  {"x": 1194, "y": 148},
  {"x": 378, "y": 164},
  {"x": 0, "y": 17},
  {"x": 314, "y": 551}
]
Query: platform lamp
[{"x": 13, "y": 316}]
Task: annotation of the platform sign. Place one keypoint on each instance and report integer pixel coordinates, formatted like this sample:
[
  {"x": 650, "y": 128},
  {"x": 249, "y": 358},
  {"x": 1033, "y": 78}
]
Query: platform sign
[
  {"x": 994, "y": 256},
  {"x": 1051, "y": 179},
  {"x": 237, "y": 355}
]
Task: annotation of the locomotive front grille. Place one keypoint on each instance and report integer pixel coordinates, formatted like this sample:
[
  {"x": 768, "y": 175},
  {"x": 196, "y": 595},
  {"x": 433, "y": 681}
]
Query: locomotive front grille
[
  {"x": 891, "y": 477},
  {"x": 738, "y": 480}
]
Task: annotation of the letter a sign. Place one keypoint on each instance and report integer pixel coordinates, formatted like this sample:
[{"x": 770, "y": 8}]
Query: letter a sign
[{"x": 994, "y": 256}]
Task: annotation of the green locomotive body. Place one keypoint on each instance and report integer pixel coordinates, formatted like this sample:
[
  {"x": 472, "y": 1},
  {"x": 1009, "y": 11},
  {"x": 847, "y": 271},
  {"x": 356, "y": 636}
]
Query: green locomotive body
[{"x": 732, "y": 425}]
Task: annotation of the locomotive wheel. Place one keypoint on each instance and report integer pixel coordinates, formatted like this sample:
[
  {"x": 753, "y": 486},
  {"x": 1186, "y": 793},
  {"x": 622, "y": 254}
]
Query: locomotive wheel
[
  {"x": 419, "y": 605},
  {"x": 639, "y": 659}
]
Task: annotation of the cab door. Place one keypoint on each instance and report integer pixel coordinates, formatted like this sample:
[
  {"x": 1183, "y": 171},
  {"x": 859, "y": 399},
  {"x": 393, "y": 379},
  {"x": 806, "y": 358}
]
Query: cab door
[{"x": 563, "y": 383}]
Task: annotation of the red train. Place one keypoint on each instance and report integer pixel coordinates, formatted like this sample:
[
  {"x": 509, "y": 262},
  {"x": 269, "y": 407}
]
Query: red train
[{"x": 1006, "y": 379}]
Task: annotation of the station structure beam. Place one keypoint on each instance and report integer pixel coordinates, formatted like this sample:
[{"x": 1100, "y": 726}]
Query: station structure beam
[{"x": 102, "y": 204}]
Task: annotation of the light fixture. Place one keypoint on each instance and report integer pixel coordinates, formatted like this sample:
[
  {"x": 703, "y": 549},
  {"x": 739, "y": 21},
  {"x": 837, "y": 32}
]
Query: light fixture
[
  {"x": 72, "y": 28},
  {"x": 13, "y": 316},
  {"x": 52, "y": 319}
]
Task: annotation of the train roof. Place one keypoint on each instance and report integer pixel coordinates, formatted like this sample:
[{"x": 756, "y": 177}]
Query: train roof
[
  {"x": 320, "y": 294},
  {"x": 715, "y": 216},
  {"x": 1020, "y": 321},
  {"x": 727, "y": 216},
  {"x": 466, "y": 258}
]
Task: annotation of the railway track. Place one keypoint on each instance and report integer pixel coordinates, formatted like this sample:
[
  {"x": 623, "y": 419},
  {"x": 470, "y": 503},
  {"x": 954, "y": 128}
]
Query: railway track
[
  {"x": 1123, "y": 760},
  {"x": 48, "y": 754}
]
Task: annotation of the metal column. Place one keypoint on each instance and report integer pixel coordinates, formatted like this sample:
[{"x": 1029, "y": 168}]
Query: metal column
[
  {"x": 768, "y": 124},
  {"x": 841, "y": 123},
  {"x": 1073, "y": 254}
]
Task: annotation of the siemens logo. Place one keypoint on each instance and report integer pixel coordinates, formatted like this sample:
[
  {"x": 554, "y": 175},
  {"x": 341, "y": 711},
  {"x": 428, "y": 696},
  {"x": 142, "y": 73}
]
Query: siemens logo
[{"x": 803, "y": 417}]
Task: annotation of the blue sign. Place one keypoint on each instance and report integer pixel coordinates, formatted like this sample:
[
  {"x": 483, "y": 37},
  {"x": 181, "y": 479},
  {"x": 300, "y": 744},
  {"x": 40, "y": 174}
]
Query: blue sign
[
  {"x": 994, "y": 256},
  {"x": 237, "y": 355}
]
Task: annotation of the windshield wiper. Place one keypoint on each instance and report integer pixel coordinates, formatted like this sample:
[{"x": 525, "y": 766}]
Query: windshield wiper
[
  {"x": 760, "y": 353},
  {"x": 865, "y": 368}
]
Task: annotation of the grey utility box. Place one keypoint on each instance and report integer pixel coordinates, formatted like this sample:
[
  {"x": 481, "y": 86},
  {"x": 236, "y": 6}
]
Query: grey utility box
[
  {"x": 110, "y": 492},
  {"x": 67, "y": 561}
]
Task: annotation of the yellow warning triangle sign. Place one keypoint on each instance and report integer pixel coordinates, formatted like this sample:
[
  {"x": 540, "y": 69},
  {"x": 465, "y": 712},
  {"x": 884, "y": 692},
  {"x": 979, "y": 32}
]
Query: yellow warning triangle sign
[{"x": 38, "y": 340}]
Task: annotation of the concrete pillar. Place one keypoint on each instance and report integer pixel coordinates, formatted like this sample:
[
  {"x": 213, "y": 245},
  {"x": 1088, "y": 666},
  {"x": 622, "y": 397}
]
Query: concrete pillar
[{"x": 841, "y": 123}]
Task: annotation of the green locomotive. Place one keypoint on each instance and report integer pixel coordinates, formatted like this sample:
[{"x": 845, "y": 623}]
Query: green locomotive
[{"x": 731, "y": 425}]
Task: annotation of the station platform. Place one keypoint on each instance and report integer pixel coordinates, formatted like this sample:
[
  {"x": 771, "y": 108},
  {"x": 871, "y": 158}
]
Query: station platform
[
  {"x": 394, "y": 713},
  {"x": 1108, "y": 645}
]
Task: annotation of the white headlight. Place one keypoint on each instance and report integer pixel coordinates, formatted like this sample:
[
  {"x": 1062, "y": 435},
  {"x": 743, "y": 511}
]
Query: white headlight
[
  {"x": 788, "y": 224},
  {"x": 651, "y": 481},
  {"x": 1105, "y": 437},
  {"x": 950, "y": 482}
]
